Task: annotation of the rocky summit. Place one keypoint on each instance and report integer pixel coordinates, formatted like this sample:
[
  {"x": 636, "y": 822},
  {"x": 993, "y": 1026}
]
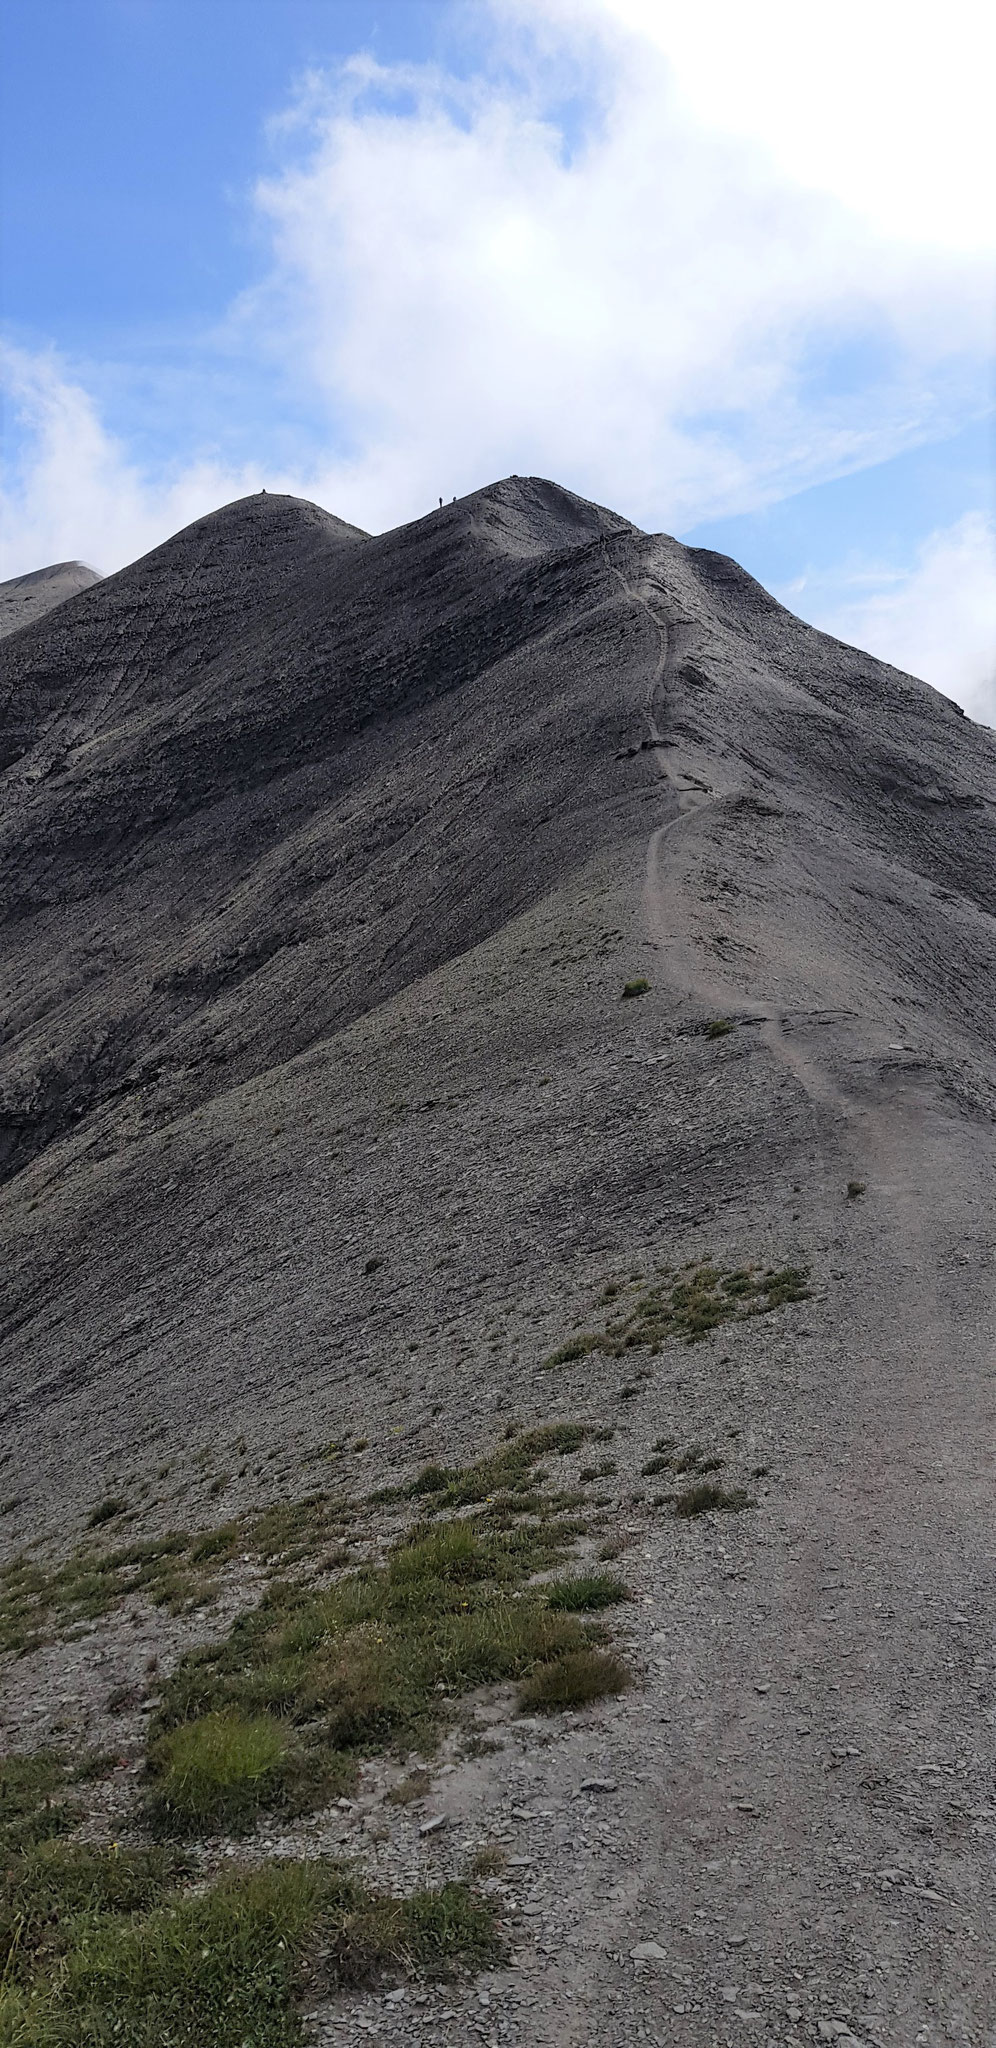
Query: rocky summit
[{"x": 499, "y": 1029}]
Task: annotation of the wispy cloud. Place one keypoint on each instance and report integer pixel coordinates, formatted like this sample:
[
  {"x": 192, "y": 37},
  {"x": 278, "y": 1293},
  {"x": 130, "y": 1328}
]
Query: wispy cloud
[
  {"x": 935, "y": 617},
  {"x": 649, "y": 250},
  {"x": 71, "y": 490}
]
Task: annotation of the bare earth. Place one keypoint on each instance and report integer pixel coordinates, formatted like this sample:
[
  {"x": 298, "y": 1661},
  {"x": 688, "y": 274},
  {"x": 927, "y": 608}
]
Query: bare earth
[{"x": 325, "y": 860}]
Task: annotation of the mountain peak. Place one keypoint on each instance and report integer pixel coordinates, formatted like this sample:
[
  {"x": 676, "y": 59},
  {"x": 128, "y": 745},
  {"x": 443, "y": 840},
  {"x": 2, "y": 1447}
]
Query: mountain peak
[{"x": 28, "y": 597}]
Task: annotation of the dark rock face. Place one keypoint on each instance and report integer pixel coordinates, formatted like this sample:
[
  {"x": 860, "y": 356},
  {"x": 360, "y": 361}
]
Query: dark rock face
[{"x": 261, "y": 786}]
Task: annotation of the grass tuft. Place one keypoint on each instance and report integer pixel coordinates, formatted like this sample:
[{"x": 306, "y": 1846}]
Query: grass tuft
[
  {"x": 639, "y": 987},
  {"x": 586, "y": 1593},
  {"x": 705, "y": 1497},
  {"x": 217, "y": 1772},
  {"x": 573, "y": 1680}
]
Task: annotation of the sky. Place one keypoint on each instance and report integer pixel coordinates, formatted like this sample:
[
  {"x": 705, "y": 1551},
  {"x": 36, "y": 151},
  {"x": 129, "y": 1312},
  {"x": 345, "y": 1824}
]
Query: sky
[{"x": 729, "y": 270}]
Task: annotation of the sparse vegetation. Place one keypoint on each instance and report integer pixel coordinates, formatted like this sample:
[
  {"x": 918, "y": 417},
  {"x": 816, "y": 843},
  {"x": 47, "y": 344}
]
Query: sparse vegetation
[
  {"x": 407, "y": 1790},
  {"x": 313, "y": 1680},
  {"x": 639, "y": 987},
  {"x": 854, "y": 1189},
  {"x": 176, "y": 1570},
  {"x": 688, "y": 1306},
  {"x": 507, "y": 1478},
  {"x": 718, "y": 1027},
  {"x": 34, "y": 1806}
]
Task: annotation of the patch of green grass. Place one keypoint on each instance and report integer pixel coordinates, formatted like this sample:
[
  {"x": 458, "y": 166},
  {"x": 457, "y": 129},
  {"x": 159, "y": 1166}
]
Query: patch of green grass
[
  {"x": 45, "y": 1887},
  {"x": 639, "y": 987},
  {"x": 585, "y": 1593},
  {"x": 372, "y": 1663},
  {"x": 573, "y": 1680},
  {"x": 33, "y": 1803},
  {"x": 705, "y": 1497},
  {"x": 688, "y": 1307},
  {"x": 218, "y": 1772},
  {"x": 226, "y": 1965},
  {"x": 718, "y": 1027}
]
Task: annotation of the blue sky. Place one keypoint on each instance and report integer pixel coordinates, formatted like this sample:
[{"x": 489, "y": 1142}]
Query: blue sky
[{"x": 369, "y": 252}]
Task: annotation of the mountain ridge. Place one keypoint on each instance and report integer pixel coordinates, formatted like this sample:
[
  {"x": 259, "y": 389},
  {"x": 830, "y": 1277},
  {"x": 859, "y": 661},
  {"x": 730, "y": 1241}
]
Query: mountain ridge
[{"x": 418, "y": 950}]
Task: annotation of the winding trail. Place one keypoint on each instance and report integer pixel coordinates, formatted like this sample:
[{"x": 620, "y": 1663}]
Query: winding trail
[{"x": 813, "y": 1763}]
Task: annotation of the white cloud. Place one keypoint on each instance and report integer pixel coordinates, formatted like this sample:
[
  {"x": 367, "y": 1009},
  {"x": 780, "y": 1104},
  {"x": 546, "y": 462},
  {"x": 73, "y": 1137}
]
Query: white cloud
[
  {"x": 751, "y": 261},
  {"x": 885, "y": 105},
  {"x": 73, "y": 493},
  {"x": 652, "y": 316},
  {"x": 936, "y": 618}
]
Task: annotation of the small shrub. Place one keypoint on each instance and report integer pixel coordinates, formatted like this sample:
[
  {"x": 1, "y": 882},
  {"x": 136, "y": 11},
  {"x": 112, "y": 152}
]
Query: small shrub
[
  {"x": 432, "y": 1479},
  {"x": 854, "y": 1189},
  {"x": 659, "y": 1463},
  {"x": 106, "y": 1511},
  {"x": 574, "y": 1348},
  {"x": 415, "y": 1786},
  {"x": 586, "y": 1593},
  {"x": 706, "y": 1497},
  {"x": 640, "y": 987},
  {"x": 489, "y": 1860},
  {"x": 573, "y": 1680},
  {"x": 718, "y": 1027}
]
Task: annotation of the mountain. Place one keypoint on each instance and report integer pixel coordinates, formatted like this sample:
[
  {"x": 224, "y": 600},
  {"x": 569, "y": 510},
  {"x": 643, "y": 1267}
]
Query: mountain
[
  {"x": 25, "y": 598},
  {"x": 326, "y": 862}
]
